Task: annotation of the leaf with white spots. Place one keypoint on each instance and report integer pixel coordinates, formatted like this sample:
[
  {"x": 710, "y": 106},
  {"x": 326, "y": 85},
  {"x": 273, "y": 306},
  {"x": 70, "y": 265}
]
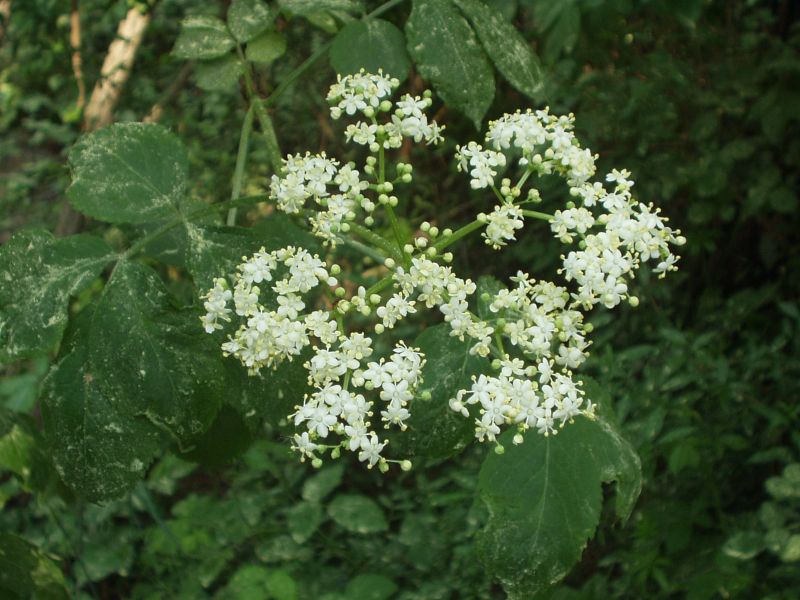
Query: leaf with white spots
[
  {"x": 38, "y": 274},
  {"x": 219, "y": 74},
  {"x": 248, "y": 18},
  {"x": 505, "y": 46},
  {"x": 158, "y": 358},
  {"x": 203, "y": 37},
  {"x": 544, "y": 498},
  {"x": 100, "y": 447},
  {"x": 266, "y": 48},
  {"x": 435, "y": 431},
  {"x": 448, "y": 54},
  {"x": 128, "y": 173}
]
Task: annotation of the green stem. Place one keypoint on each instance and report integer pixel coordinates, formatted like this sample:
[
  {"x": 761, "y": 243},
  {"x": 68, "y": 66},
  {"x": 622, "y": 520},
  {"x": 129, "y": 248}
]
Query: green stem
[
  {"x": 458, "y": 234},
  {"x": 537, "y": 215},
  {"x": 389, "y": 210},
  {"x": 375, "y": 240},
  {"x": 273, "y": 149},
  {"x": 380, "y": 286},
  {"x": 364, "y": 249},
  {"x": 241, "y": 161}
]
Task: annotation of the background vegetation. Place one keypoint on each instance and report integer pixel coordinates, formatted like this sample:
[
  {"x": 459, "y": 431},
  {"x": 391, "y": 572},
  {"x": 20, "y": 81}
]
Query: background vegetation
[{"x": 699, "y": 99}]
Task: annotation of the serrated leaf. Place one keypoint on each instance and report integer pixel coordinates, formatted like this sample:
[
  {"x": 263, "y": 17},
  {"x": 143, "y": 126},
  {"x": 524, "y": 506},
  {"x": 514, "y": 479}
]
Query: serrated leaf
[
  {"x": 99, "y": 447},
  {"x": 38, "y": 274},
  {"x": 505, "y": 46},
  {"x": 202, "y": 37},
  {"x": 310, "y": 7},
  {"x": 448, "y": 54},
  {"x": 158, "y": 358},
  {"x": 303, "y": 520},
  {"x": 435, "y": 431},
  {"x": 544, "y": 498},
  {"x": 318, "y": 486},
  {"x": 219, "y": 74},
  {"x": 27, "y": 572},
  {"x": 128, "y": 173},
  {"x": 372, "y": 45},
  {"x": 248, "y": 18},
  {"x": 267, "y": 47},
  {"x": 357, "y": 514}
]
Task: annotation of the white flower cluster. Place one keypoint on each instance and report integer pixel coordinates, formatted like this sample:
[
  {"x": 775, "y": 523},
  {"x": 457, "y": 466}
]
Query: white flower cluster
[
  {"x": 368, "y": 94},
  {"x": 265, "y": 336},
  {"x": 534, "y": 331},
  {"x": 333, "y": 407}
]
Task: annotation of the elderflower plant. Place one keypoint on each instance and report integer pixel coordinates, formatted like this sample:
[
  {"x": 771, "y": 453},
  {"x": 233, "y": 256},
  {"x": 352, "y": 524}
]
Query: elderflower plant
[{"x": 537, "y": 334}]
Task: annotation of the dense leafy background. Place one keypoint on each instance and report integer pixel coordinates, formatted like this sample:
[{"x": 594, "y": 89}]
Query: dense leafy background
[{"x": 699, "y": 99}]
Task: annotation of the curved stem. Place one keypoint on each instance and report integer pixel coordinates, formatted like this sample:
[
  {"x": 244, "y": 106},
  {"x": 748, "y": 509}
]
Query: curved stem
[{"x": 241, "y": 161}]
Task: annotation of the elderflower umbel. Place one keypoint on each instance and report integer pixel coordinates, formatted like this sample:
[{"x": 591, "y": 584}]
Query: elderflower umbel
[{"x": 286, "y": 303}]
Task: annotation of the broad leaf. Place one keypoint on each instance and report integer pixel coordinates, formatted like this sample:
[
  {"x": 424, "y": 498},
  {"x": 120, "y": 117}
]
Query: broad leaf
[
  {"x": 318, "y": 486},
  {"x": 202, "y": 37},
  {"x": 372, "y": 45},
  {"x": 99, "y": 446},
  {"x": 158, "y": 359},
  {"x": 38, "y": 274},
  {"x": 248, "y": 18},
  {"x": 435, "y": 431},
  {"x": 212, "y": 251},
  {"x": 505, "y": 46},
  {"x": 357, "y": 514},
  {"x": 544, "y": 498},
  {"x": 128, "y": 173},
  {"x": 27, "y": 572},
  {"x": 369, "y": 586},
  {"x": 303, "y": 519},
  {"x": 267, "y": 47},
  {"x": 218, "y": 74},
  {"x": 447, "y": 54}
]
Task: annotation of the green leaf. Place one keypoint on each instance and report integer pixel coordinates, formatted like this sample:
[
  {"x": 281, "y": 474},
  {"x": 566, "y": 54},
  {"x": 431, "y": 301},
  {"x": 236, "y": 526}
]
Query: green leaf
[
  {"x": 227, "y": 438},
  {"x": 544, "y": 498},
  {"x": 371, "y": 45},
  {"x": 303, "y": 520},
  {"x": 267, "y": 47},
  {"x": 27, "y": 572},
  {"x": 370, "y": 586},
  {"x": 435, "y": 431},
  {"x": 253, "y": 582},
  {"x": 202, "y": 37},
  {"x": 248, "y": 18},
  {"x": 487, "y": 285},
  {"x": 447, "y": 54},
  {"x": 99, "y": 447},
  {"x": 128, "y": 173},
  {"x": 219, "y": 74},
  {"x": 317, "y": 487},
  {"x": 157, "y": 358},
  {"x": 357, "y": 514},
  {"x": 38, "y": 274},
  {"x": 505, "y": 46},
  {"x": 744, "y": 545}
]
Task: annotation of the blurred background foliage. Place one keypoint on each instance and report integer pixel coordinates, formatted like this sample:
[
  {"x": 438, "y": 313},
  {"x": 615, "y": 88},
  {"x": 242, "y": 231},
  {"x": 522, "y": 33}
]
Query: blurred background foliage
[{"x": 700, "y": 99}]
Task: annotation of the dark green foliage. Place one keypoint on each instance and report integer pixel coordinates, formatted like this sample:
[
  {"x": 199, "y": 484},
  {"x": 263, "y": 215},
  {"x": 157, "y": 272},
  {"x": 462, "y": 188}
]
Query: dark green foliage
[{"x": 201, "y": 496}]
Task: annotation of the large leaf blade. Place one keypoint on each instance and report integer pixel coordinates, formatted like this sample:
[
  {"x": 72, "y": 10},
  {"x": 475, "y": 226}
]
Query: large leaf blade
[
  {"x": 39, "y": 273},
  {"x": 544, "y": 498},
  {"x": 505, "y": 46},
  {"x": 128, "y": 173},
  {"x": 448, "y": 54}
]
